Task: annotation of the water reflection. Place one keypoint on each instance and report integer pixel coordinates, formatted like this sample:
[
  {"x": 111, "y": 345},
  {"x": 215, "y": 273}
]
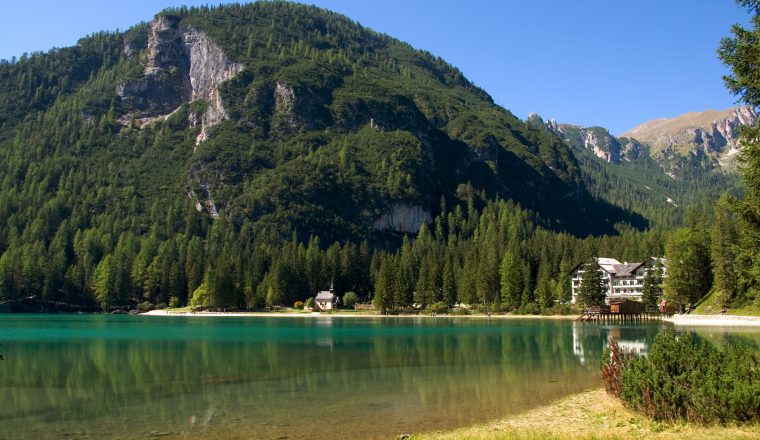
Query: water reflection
[
  {"x": 131, "y": 377},
  {"x": 589, "y": 340}
]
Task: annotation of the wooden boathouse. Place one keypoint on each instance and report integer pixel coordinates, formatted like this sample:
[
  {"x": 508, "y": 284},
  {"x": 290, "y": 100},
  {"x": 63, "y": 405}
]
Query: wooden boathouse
[{"x": 623, "y": 311}]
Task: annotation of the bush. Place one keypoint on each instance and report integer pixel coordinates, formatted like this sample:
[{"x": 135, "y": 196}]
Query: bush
[
  {"x": 483, "y": 309},
  {"x": 174, "y": 302},
  {"x": 298, "y": 305},
  {"x": 145, "y": 306},
  {"x": 200, "y": 297},
  {"x": 349, "y": 300},
  {"x": 309, "y": 303},
  {"x": 683, "y": 379},
  {"x": 439, "y": 308},
  {"x": 528, "y": 309},
  {"x": 561, "y": 309},
  {"x": 460, "y": 311}
]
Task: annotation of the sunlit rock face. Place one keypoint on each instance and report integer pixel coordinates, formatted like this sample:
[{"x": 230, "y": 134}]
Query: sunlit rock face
[
  {"x": 403, "y": 218},
  {"x": 182, "y": 65}
]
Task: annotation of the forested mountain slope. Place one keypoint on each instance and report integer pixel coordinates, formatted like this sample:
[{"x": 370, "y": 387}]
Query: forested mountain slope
[
  {"x": 640, "y": 176},
  {"x": 185, "y": 151},
  {"x": 289, "y": 116}
]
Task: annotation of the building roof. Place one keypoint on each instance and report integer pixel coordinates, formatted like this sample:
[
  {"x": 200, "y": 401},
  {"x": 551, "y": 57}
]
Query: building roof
[
  {"x": 614, "y": 267},
  {"x": 626, "y": 269},
  {"x": 326, "y": 295}
]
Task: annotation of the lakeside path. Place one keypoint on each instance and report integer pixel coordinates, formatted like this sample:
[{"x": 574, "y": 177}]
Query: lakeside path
[
  {"x": 345, "y": 315},
  {"x": 590, "y": 415},
  {"x": 714, "y": 320}
]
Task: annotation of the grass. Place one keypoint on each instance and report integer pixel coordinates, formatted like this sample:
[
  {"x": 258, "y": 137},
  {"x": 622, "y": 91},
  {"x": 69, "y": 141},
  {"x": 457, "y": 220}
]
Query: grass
[
  {"x": 590, "y": 415},
  {"x": 711, "y": 306}
]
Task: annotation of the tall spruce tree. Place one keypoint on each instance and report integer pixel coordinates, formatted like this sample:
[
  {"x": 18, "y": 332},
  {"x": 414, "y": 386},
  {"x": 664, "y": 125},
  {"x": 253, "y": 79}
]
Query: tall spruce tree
[
  {"x": 723, "y": 244},
  {"x": 512, "y": 280},
  {"x": 740, "y": 53},
  {"x": 689, "y": 276},
  {"x": 652, "y": 288},
  {"x": 591, "y": 290}
]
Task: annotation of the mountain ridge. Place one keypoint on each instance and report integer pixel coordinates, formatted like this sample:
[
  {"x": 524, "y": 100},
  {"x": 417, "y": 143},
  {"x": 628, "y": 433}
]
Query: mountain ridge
[
  {"x": 296, "y": 118},
  {"x": 709, "y": 138}
]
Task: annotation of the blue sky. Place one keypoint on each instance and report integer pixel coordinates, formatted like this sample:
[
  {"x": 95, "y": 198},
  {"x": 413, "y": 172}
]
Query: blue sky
[{"x": 609, "y": 63}]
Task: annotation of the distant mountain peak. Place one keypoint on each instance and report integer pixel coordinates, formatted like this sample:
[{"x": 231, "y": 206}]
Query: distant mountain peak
[
  {"x": 595, "y": 139},
  {"x": 710, "y": 136}
]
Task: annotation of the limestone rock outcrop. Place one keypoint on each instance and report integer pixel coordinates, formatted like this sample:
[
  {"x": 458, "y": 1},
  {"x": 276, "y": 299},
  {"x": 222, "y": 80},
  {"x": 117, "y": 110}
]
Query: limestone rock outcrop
[
  {"x": 597, "y": 139},
  {"x": 695, "y": 136},
  {"x": 403, "y": 217},
  {"x": 181, "y": 65}
]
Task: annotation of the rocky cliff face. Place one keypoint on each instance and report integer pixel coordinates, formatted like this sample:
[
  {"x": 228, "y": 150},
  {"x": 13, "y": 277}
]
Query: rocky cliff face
[
  {"x": 597, "y": 139},
  {"x": 403, "y": 218},
  {"x": 182, "y": 65},
  {"x": 710, "y": 137},
  {"x": 703, "y": 140}
]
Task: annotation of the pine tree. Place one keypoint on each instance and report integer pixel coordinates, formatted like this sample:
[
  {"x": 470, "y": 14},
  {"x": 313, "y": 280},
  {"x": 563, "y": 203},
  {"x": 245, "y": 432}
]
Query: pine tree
[
  {"x": 544, "y": 294},
  {"x": 723, "y": 244},
  {"x": 652, "y": 288},
  {"x": 591, "y": 290},
  {"x": 383, "y": 297},
  {"x": 512, "y": 280},
  {"x": 403, "y": 280},
  {"x": 103, "y": 282},
  {"x": 449, "y": 282},
  {"x": 689, "y": 275},
  {"x": 563, "y": 291},
  {"x": 740, "y": 54}
]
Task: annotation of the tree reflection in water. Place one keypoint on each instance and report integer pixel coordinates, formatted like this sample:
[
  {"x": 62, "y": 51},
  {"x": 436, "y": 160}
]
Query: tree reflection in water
[{"x": 128, "y": 377}]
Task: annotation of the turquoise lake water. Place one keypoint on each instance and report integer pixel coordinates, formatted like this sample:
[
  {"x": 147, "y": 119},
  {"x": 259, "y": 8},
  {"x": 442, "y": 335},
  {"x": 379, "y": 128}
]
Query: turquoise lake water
[{"x": 111, "y": 376}]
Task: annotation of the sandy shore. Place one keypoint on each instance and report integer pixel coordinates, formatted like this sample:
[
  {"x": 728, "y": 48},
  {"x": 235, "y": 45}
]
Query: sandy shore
[
  {"x": 714, "y": 320},
  {"x": 345, "y": 315},
  {"x": 590, "y": 415}
]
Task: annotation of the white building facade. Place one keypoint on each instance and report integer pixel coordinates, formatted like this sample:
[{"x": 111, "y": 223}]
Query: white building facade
[{"x": 621, "y": 280}]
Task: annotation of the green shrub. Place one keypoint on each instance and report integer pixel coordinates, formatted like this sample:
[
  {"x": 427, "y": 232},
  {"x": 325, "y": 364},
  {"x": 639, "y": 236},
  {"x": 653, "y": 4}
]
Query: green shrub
[
  {"x": 439, "y": 308},
  {"x": 298, "y": 305},
  {"x": 684, "y": 379},
  {"x": 174, "y": 302},
  {"x": 529, "y": 309},
  {"x": 561, "y": 309},
  {"x": 460, "y": 311},
  {"x": 309, "y": 304},
  {"x": 349, "y": 300},
  {"x": 200, "y": 297}
]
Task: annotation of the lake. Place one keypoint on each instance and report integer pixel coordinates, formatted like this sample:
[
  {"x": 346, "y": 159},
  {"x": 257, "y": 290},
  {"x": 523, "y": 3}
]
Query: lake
[{"x": 116, "y": 376}]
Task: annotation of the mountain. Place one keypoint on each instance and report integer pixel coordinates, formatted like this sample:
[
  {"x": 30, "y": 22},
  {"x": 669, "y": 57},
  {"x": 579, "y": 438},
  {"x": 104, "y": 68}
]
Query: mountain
[
  {"x": 709, "y": 139},
  {"x": 284, "y": 116},
  {"x": 631, "y": 173},
  {"x": 599, "y": 140}
]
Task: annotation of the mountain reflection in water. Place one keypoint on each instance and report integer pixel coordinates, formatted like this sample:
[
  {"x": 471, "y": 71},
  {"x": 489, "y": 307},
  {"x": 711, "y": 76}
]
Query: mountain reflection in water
[{"x": 199, "y": 377}]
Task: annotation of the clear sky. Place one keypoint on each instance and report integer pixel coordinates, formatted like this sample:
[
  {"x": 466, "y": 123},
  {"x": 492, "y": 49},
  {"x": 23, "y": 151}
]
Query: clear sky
[{"x": 590, "y": 62}]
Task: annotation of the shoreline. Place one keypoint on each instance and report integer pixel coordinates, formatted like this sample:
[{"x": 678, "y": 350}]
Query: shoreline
[
  {"x": 345, "y": 315},
  {"x": 714, "y": 320},
  {"x": 590, "y": 414}
]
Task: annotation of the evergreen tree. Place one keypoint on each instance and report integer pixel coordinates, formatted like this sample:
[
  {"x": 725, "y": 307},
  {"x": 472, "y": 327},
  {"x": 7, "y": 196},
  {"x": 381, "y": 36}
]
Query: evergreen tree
[
  {"x": 384, "y": 283},
  {"x": 723, "y": 244},
  {"x": 512, "y": 279},
  {"x": 449, "y": 283},
  {"x": 652, "y": 286},
  {"x": 544, "y": 294},
  {"x": 740, "y": 54},
  {"x": 592, "y": 288},
  {"x": 689, "y": 276},
  {"x": 563, "y": 291}
]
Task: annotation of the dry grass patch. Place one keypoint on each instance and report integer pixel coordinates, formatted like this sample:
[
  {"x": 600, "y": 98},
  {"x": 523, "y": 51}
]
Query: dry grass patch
[{"x": 590, "y": 415}]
